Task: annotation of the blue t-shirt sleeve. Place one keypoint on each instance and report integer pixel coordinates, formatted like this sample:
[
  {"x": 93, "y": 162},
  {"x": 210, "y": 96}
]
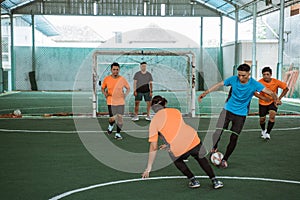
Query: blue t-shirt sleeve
[
  {"x": 259, "y": 86},
  {"x": 228, "y": 81}
]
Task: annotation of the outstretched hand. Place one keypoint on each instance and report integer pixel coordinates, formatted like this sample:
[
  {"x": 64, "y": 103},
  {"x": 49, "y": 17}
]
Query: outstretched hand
[
  {"x": 145, "y": 174},
  {"x": 201, "y": 96}
]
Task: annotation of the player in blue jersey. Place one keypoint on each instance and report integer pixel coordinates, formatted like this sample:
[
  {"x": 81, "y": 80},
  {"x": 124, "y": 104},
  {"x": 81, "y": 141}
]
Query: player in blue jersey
[{"x": 236, "y": 108}]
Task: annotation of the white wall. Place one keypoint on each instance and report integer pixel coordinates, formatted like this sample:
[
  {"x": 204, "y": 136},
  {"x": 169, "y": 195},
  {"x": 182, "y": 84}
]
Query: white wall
[{"x": 266, "y": 54}]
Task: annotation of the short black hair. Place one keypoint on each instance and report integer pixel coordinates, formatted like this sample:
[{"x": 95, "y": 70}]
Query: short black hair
[
  {"x": 114, "y": 64},
  {"x": 244, "y": 67},
  {"x": 143, "y": 63},
  {"x": 159, "y": 100},
  {"x": 266, "y": 69}
]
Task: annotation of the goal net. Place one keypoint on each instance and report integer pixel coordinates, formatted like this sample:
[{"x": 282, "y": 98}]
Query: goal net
[{"x": 173, "y": 76}]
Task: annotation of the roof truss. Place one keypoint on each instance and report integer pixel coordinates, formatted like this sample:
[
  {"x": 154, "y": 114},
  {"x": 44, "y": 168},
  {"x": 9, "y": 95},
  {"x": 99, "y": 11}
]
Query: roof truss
[{"x": 169, "y": 8}]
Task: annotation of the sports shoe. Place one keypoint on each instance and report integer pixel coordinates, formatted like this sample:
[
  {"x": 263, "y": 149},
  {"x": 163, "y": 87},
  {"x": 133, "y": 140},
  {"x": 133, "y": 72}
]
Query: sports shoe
[
  {"x": 263, "y": 134},
  {"x": 109, "y": 129},
  {"x": 135, "y": 118},
  {"x": 217, "y": 184},
  {"x": 224, "y": 164},
  {"x": 194, "y": 183},
  {"x": 118, "y": 136},
  {"x": 268, "y": 136},
  {"x": 148, "y": 118}
]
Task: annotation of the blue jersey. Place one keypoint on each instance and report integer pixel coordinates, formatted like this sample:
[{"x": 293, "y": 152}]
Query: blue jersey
[{"x": 241, "y": 94}]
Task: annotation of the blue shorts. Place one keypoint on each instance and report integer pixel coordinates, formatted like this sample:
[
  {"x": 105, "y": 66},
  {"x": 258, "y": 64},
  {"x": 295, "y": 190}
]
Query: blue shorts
[{"x": 140, "y": 95}]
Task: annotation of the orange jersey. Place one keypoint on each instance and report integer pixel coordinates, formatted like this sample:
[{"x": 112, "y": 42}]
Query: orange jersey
[
  {"x": 179, "y": 136},
  {"x": 115, "y": 91},
  {"x": 273, "y": 85}
]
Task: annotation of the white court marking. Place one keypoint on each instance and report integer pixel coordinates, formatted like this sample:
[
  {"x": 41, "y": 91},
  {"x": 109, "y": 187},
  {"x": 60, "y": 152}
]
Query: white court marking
[
  {"x": 143, "y": 130},
  {"x": 165, "y": 177}
]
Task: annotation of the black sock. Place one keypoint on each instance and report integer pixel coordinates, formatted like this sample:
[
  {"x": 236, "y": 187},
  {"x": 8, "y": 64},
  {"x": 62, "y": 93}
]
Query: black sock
[
  {"x": 270, "y": 126},
  {"x": 118, "y": 129},
  {"x": 263, "y": 126},
  {"x": 231, "y": 146}
]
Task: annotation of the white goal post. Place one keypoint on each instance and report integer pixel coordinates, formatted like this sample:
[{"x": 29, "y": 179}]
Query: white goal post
[{"x": 189, "y": 54}]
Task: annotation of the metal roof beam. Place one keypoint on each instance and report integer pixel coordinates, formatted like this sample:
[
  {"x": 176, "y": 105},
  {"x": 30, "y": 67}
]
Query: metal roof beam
[{"x": 19, "y": 4}]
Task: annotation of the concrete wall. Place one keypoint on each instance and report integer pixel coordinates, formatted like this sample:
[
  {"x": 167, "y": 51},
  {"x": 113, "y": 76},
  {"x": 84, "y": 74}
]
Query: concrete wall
[
  {"x": 56, "y": 68},
  {"x": 60, "y": 68},
  {"x": 266, "y": 54}
]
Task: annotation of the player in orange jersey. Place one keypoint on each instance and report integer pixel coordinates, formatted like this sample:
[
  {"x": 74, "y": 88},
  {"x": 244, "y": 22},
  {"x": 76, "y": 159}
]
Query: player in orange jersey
[
  {"x": 267, "y": 105},
  {"x": 180, "y": 140},
  {"x": 113, "y": 90}
]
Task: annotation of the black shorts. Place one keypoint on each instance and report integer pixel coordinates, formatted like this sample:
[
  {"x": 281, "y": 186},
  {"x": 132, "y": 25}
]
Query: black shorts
[
  {"x": 264, "y": 110},
  {"x": 113, "y": 110},
  {"x": 237, "y": 121},
  {"x": 193, "y": 152}
]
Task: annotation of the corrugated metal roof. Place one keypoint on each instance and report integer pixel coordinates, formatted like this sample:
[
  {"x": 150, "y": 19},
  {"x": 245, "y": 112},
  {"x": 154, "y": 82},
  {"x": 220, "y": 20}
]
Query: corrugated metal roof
[
  {"x": 12, "y": 4},
  {"x": 245, "y": 7},
  {"x": 41, "y": 24},
  {"x": 136, "y": 8}
]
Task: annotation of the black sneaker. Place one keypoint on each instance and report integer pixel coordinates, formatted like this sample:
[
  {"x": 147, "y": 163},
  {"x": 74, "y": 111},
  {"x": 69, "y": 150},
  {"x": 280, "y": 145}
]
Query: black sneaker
[
  {"x": 194, "y": 183},
  {"x": 109, "y": 132},
  {"x": 217, "y": 184},
  {"x": 223, "y": 164}
]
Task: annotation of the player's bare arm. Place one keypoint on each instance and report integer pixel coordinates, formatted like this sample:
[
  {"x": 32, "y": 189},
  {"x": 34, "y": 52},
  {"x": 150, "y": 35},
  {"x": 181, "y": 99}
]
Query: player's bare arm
[
  {"x": 127, "y": 91},
  {"x": 104, "y": 92},
  {"x": 134, "y": 88},
  {"x": 151, "y": 88},
  {"x": 152, "y": 155},
  {"x": 260, "y": 96},
  {"x": 283, "y": 93},
  {"x": 272, "y": 94},
  {"x": 213, "y": 88}
]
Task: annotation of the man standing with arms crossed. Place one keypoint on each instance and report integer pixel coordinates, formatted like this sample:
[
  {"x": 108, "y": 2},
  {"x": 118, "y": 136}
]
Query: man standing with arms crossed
[
  {"x": 142, "y": 87},
  {"x": 112, "y": 88},
  {"x": 269, "y": 105}
]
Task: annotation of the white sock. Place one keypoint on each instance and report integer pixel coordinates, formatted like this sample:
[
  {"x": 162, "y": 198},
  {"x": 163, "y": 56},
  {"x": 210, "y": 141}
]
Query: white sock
[{"x": 110, "y": 127}]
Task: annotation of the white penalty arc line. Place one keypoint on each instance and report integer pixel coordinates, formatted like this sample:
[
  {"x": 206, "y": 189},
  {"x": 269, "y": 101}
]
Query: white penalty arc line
[{"x": 165, "y": 177}]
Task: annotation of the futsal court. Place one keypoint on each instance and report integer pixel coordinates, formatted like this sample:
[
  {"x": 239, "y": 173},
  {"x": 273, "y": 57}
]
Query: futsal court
[{"x": 53, "y": 152}]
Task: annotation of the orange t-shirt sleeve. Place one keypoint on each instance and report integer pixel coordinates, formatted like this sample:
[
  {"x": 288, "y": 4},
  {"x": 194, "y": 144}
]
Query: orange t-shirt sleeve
[
  {"x": 281, "y": 84},
  {"x": 104, "y": 83}
]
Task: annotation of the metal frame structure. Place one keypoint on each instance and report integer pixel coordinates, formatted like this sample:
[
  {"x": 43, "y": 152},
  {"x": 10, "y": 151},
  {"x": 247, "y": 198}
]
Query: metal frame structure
[
  {"x": 169, "y": 8},
  {"x": 191, "y": 57}
]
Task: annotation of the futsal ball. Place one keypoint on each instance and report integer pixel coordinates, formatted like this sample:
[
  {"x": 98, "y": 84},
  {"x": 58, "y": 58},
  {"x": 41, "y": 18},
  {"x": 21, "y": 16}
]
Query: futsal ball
[
  {"x": 17, "y": 112},
  {"x": 216, "y": 158}
]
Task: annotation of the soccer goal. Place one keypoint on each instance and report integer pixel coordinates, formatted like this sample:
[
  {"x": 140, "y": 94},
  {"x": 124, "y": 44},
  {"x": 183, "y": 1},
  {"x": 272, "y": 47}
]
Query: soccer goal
[{"x": 163, "y": 64}]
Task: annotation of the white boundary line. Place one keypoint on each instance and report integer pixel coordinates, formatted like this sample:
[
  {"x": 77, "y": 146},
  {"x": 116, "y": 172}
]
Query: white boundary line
[
  {"x": 133, "y": 131},
  {"x": 60, "y": 196}
]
